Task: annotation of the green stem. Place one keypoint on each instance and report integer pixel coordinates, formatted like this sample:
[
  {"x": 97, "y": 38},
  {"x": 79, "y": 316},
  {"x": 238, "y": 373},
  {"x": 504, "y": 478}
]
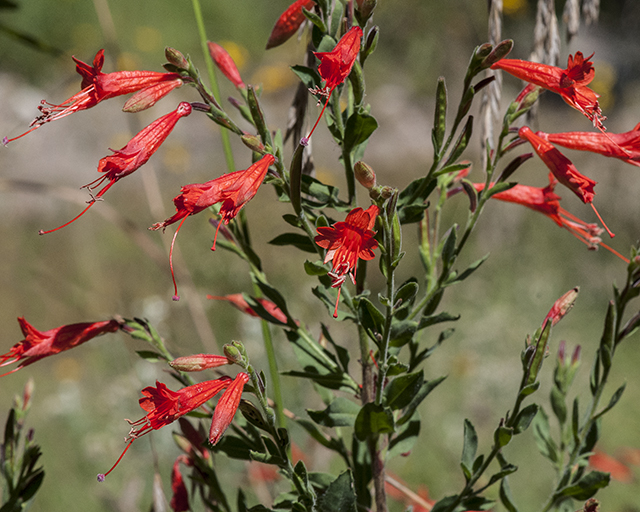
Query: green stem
[
  {"x": 226, "y": 144},
  {"x": 273, "y": 367}
]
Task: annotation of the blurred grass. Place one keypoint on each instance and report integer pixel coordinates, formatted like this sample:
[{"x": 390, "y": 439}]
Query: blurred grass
[{"x": 92, "y": 270}]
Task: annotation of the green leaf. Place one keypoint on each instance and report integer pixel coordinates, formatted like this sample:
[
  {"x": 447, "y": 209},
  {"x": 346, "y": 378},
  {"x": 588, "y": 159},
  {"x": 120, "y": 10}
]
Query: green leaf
[
  {"x": 502, "y": 436},
  {"x": 298, "y": 240},
  {"x": 499, "y": 187},
  {"x": 558, "y": 404},
  {"x": 329, "y": 380},
  {"x": 330, "y": 302},
  {"x": 273, "y": 295},
  {"x": 469, "y": 448},
  {"x": 402, "y": 332},
  {"x": 295, "y": 179},
  {"x": 505, "y": 471},
  {"x": 371, "y": 319},
  {"x": 315, "y": 269},
  {"x": 462, "y": 142},
  {"x": 405, "y": 295},
  {"x": 469, "y": 270},
  {"x": 322, "y": 195},
  {"x": 528, "y": 390},
  {"x": 405, "y": 437},
  {"x": 358, "y": 129},
  {"x": 505, "y": 496},
  {"x": 315, "y": 19},
  {"x": 614, "y": 400},
  {"x": 373, "y": 420},
  {"x": 314, "y": 431},
  {"x": 426, "y": 388},
  {"x": 541, "y": 433},
  {"x": 586, "y": 487},
  {"x": 340, "y": 413},
  {"x": 309, "y": 76},
  {"x": 340, "y": 495},
  {"x": 524, "y": 418},
  {"x": 440, "y": 116},
  {"x": 427, "y": 321},
  {"x": 403, "y": 389}
]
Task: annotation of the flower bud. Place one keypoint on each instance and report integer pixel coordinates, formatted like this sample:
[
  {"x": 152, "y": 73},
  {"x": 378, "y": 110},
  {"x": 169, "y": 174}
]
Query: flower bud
[
  {"x": 365, "y": 8},
  {"x": 253, "y": 143},
  {"x": 562, "y": 306},
  {"x": 365, "y": 175},
  {"x": 147, "y": 97},
  {"x": 226, "y": 64},
  {"x": 198, "y": 362},
  {"x": 176, "y": 58},
  {"x": 236, "y": 353},
  {"x": 386, "y": 192}
]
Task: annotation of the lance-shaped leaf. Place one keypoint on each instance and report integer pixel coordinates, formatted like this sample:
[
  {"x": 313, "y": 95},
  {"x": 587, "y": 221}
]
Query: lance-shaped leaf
[
  {"x": 340, "y": 495},
  {"x": 358, "y": 129},
  {"x": 295, "y": 179},
  {"x": 403, "y": 389},
  {"x": 373, "y": 420},
  {"x": 469, "y": 448},
  {"x": 342, "y": 412}
]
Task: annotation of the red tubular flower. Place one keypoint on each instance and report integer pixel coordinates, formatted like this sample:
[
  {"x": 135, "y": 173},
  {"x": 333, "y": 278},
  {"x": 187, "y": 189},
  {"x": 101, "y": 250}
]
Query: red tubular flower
[
  {"x": 335, "y": 67},
  {"x": 563, "y": 169},
  {"x": 131, "y": 157},
  {"x": 98, "y": 86},
  {"x": 198, "y": 362},
  {"x": 233, "y": 190},
  {"x": 545, "y": 201},
  {"x": 346, "y": 242},
  {"x": 237, "y": 300},
  {"x": 164, "y": 406},
  {"x": 618, "y": 470},
  {"x": 288, "y": 22},
  {"x": 625, "y": 146},
  {"x": 38, "y": 344},
  {"x": 570, "y": 83},
  {"x": 225, "y": 63},
  {"x": 226, "y": 407},
  {"x": 180, "y": 499}
]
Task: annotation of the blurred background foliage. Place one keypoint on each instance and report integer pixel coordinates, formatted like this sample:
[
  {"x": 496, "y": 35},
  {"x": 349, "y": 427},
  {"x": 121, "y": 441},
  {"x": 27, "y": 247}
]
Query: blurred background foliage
[{"x": 108, "y": 263}]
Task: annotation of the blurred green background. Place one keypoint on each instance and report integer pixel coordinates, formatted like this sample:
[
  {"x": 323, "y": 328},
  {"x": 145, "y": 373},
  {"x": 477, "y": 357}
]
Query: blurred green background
[{"x": 108, "y": 263}]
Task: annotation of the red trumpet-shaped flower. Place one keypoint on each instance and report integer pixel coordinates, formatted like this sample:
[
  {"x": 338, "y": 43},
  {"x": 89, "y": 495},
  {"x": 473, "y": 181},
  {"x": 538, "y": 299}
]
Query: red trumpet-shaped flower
[
  {"x": 563, "y": 169},
  {"x": 233, "y": 190},
  {"x": 38, "y": 344},
  {"x": 237, "y": 300},
  {"x": 180, "y": 499},
  {"x": 570, "y": 83},
  {"x": 346, "y": 242},
  {"x": 225, "y": 63},
  {"x": 131, "y": 157},
  {"x": 335, "y": 67},
  {"x": 625, "y": 146},
  {"x": 98, "y": 86},
  {"x": 545, "y": 201},
  {"x": 164, "y": 406},
  {"x": 288, "y": 22},
  {"x": 226, "y": 407}
]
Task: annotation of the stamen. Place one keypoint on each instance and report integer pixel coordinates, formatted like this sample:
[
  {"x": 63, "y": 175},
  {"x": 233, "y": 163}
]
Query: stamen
[
  {"x": 175, "y": 297},
  {"x": 318, "y": 120},
  {"x": 91, "y": 203},
  {"x": 102, "y": 476},
  {"x": 601, "y": 221}
]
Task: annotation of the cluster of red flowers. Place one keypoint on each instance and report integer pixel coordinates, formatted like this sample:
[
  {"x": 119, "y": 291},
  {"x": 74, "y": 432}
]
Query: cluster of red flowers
[
  {"x": 571, "y": 85},
  {"x": 164, "y": 406}
]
